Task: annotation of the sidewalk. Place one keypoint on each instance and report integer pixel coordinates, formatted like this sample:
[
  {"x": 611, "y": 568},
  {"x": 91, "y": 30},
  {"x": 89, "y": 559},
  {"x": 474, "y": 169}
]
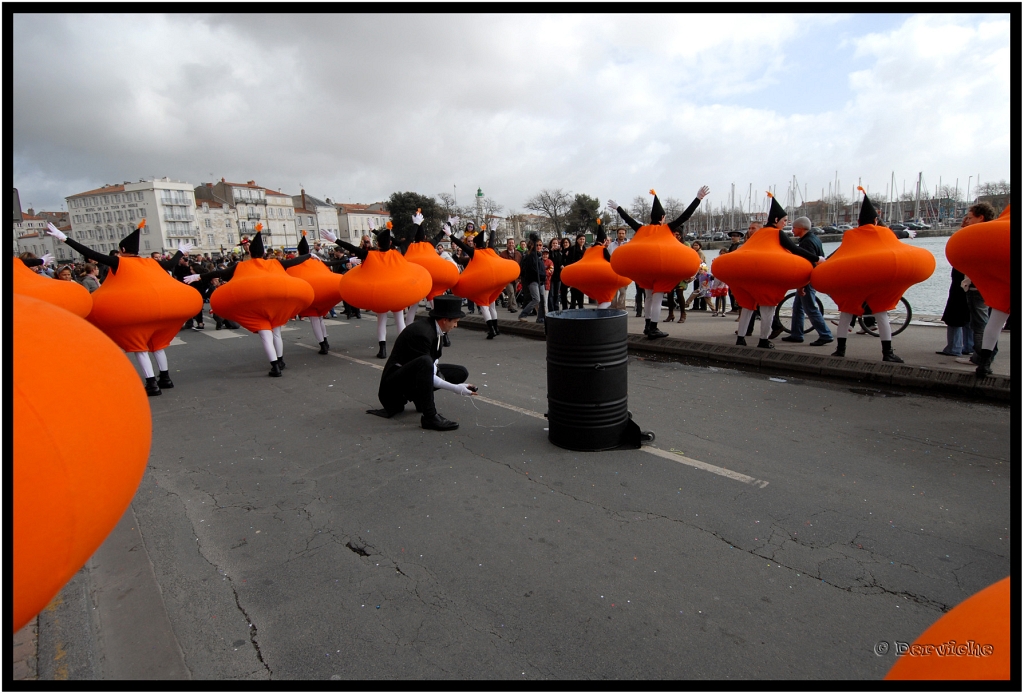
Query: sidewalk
[{"x": 709, "y": 339}]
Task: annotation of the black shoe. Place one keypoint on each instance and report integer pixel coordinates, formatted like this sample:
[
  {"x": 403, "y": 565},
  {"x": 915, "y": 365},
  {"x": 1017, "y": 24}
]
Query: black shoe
[
  {"x": 445, "y": 342},
  {"x": 326, "y": 345},
  {"x": 790, "y": 338},
  {"x": 437, "y": 423},
  {"x": 382, "y": 353},
  {"x": 821, "y": 341},
  {"x": 495, "y": 323},
  {"x": 985, "y": 358},
  {"x": 654, "y": 333},
  {"x": 647, "y": 326},
  {"x": 323, "y": 347},
  {"x": 280, "y": 362},
  {"x": 151, "y": 387},
  {"x": 220, "y": 326},
  {"x": 776, "y": 331},
  {"x": 887, "y": 353},
  {"x": 275, "y": 369},
  {"x": 765, "y": 344},
  {"x": 840, "y": 348},
  {"x": 741, "y": 342},
  {"x": 201, "y": 326},
  {"x": 490, "y": 331},
  {"x": 165, "y": 380}
]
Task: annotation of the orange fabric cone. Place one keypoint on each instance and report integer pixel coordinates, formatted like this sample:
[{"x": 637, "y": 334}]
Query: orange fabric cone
[
  {"x": 485, "y": 277},
  {"x": 594, "y": 276},
  {"x": 385, "y": 281},
  {"x": 141, "y": 307},
  {"x": 655, "y": 259},
  {"x": 982, "y": 252},
  {"x": 68, "y": 295},
  {"x": 261, "y": 295},
  {"x": 325, "y": 283},
  {"x": 443, "y": 274},
  {"x": 761, "y": 271},
  {"x": 70, "y": 488}
]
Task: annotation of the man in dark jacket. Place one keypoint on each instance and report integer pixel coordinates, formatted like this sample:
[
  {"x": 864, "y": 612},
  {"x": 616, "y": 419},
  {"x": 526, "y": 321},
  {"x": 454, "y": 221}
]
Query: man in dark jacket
[
  {"x": 575, "y": 254},
  {"x": 533, "y": 274},
  {"x": 510, "y": 253},
  {"x": 805, "y": 302},
  {"x": 412, "y": 372}
]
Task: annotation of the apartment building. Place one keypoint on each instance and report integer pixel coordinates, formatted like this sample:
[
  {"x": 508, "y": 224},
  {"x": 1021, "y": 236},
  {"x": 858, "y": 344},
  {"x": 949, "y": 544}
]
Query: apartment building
[
  {"x": 313, "y": 214},
  {"x": 354, "y": 219}
]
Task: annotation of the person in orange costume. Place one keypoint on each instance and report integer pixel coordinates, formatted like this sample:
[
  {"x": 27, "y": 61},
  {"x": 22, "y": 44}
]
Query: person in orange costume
[
  {"x": 593, "y": 273},
  {"x": 762, "y": 270},
  {"x": 421, "y": 252},
  {"x": 970, "y": 642},
  {"x": 655, "y": 259},
  {"x": 261, "y": 297},
  {"x": 67, "y": 497},
  {"x": 67, "y": 295},
  {"x": 385, "y": 281},
  {"x": 982, "y": 253},
  {"x": 326, "y": 290},
  {"x": 140, "y": 306},
  {"x": 868, "y": 273},
  {"x": 485, "y": 277}
]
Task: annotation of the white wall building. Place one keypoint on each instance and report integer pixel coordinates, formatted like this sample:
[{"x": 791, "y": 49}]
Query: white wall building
[
  {"x": 281, "y": 219},
  {"x": 354, "y": 219},
  {"x": 253, "y": 204},
  {"x": 102, "y": 217},
  {"x": 217, "y": 226},
  {"x": 30, "y": 237},
  {"x": 313, "y": 214}
]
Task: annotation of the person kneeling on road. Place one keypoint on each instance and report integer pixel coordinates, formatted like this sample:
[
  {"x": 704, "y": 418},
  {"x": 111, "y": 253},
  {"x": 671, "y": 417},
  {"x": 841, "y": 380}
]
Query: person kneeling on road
[{"x": 412, "y": 372}]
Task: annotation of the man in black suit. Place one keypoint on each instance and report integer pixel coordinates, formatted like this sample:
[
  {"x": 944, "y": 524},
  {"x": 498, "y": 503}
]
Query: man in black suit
[{"x": 412, "y": 372}]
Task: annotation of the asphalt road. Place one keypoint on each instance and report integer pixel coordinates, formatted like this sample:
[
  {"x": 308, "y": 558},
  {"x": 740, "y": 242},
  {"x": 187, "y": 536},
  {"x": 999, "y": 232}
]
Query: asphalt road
[{"x": 292, "y": 536}]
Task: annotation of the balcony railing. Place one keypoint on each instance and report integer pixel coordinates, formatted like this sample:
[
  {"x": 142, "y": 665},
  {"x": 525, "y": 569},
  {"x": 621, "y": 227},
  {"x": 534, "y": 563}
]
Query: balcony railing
[
  {"x": 178, "y": 218},
  {"x": 254, "y": 215}
]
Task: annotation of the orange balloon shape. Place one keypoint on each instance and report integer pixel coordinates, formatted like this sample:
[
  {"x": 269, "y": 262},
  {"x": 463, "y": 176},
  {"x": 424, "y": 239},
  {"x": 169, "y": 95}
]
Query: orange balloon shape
[
  {"x": 761, "y": 271},
  {"x": 871, "y": 266},
  {"x": 970, "y": 642},
  {"x": 261, "y": 295},
  {"x": 594, "y": 276},
  {"x": 485, "y": 277},
  {"x": 385, "y": 281},
  {"x": 74, "y": 474},
  {"x": 141, "y": 307},
  {"x": 443, "y": 274},
  {"x": 982, "y": 252},
  {"x": 326, "y": 286},
  {"x": 655, "y": 259},
  {"x": 70, "y": 296}
]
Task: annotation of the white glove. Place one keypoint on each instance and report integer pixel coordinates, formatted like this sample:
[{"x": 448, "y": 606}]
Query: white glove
[
  {"x": 966, "y": 283},
  {"x": 703, "y": 192},
  {"x": 911, "y": 233},
  {"x": 612, "y": 205},
  {"x": 453, "y": 221},
  {"x": 184, "y": 247},
  {"x": 821, "y": 259},
  {"x": 47, "y": 259},
  {"x": 463, "y": 389},
  {"x": 55, "y": 232},
  {"x": 328, "y": 236},
  {"x": 446, "y": 229},
  {"x": 417, "y": 219},
  {"x": 189, "y": 279},
  {"x": 372, "y": 224}
]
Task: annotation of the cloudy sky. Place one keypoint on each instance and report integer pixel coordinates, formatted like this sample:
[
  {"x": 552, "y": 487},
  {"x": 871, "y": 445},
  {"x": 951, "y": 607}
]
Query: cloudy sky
[{"x": 355, "y": 107}]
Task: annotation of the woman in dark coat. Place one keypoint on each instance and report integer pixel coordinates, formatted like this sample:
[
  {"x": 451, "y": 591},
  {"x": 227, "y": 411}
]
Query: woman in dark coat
[{"x": 957, "y": 317}]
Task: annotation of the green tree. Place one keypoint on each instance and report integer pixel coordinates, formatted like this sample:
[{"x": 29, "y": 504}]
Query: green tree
[
  {"x": 583, "y": 214},
  {"x": 403, "y": 206}
]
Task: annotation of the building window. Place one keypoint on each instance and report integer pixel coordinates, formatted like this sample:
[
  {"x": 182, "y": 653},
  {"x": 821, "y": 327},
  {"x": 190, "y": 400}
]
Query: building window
[
  {"x": 209, "y": 240},
  {"x": 310, "y": 221},
  {"x": 120, "y": 216},
  {"x": 145, "y": 244},
  {"x": 227, "y": 223},
  {"x": 138, "y": 196},
  {"x": 208, "y": 223}
]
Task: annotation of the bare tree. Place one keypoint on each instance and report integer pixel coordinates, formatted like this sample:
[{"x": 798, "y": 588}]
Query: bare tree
[
  {"x": 640, "y": 208},
  {"x": 553, "y": 204},
  {"x": 673, "y": 208}
]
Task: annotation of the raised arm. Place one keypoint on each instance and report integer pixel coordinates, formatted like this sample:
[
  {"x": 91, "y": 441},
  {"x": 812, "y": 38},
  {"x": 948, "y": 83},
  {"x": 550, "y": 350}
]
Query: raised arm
[
  {"x": 183, "y": 248},
  {"x": 632, "y": 223},
  {"x": 468, "y": 250},
  {"x": 688, "y": 212},
  {"x": 292, "y": 262}
]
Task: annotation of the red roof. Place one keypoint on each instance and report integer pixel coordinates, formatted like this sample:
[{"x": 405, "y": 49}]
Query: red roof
[
  {"x": 276, "y": 192},
  {"x": 30, "y": 217},
  {"x": 100, "y": 191}
]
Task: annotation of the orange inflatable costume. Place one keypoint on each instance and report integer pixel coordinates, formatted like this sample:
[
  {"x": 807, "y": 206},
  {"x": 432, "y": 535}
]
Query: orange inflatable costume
[
  {"x": 68, "y": 295},
  {"x": 970, "y": 642},
  {"x": 872, "y": 267},
  {"x": 443, "y": 275},
  {"x": 982, "y": 252},
  {"x": 68, "y": 497},
  {"x": 385, "y": 281},
  {"x": 654, "y": 258},
  {"x": 487, "y": 273},
  {"x": 325, "y": 284},
  {"x": 593, "y": 274}
]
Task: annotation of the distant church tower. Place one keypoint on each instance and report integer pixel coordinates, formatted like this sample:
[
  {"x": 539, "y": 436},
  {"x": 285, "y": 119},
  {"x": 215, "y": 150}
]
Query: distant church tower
[{"x": 479, "y": 207}]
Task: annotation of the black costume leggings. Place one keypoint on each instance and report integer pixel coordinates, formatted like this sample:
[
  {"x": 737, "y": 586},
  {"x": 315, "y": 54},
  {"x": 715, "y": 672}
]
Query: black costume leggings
[{"x": 414, "y": 382}]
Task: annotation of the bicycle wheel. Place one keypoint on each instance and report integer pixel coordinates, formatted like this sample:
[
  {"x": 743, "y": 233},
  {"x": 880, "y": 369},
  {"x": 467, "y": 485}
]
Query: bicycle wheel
[
  {"x": 785, "y": 308},
  {"x": 899, "y": 319}
]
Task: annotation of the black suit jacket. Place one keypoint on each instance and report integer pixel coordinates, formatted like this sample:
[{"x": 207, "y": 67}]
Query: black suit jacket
[{"x": 419, "y": 338}]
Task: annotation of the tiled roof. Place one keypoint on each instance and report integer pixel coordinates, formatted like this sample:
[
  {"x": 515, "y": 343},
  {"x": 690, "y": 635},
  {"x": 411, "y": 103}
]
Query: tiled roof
[{"x": 100, "y": 191}]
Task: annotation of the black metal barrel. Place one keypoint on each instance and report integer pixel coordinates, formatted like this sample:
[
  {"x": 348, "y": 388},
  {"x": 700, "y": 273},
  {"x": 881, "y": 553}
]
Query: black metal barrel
[{"x": 587, "y": 360}]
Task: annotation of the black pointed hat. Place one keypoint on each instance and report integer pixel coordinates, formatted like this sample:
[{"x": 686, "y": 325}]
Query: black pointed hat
[
  {"x": 130, "y": 243},
  {"x": 868, "y": 213},
  {"x": 775, "y": 212},
  {"x": 256, "y": 245},
  {"x": 657, "y": 211},
  {"x": 303, "y": 245},
  {"x": 480, "y": 240},
  {"x": 384, "y": 237},
  {"x": 600, "y": 237}
]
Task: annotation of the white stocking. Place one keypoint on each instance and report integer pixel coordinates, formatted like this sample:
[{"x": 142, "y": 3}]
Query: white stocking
[
  {"x": 996, "y": 321},
  {"x": 485, "y": 311},
  {"x": 410, "y": 313},
  {"x": 278, "y": 342},
  {"x": 318, "y": 331},
  {"x": 654, "y": 304},
  {"x": 884, "y": 329},
  {"x": 604, "y": 304},
  {"x": 267, "y": 338},
  {"x": 844, "y": 325},
  {"x": 767, "y": 315},
  {"x": 145, "y": 363},
  {"x": 746, "y": 315},
  {"x": 161, "y": 360},
  {"x": 399, "y": 320},
  {"x": 382, "y": 327},
  {"x": 323, "y": 326}
]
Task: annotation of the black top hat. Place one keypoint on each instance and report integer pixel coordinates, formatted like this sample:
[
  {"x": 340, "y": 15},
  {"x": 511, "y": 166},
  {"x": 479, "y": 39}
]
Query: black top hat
[
  {"x": 868, "y": 214},
  {"x": 736, "y": 233},
  {"x": 303, "y": 245},
  {"x": 657, "y": 211},
  {"x": 775, "y": 212},
  {"x": 447, "y": 307},
  {"x": 256, "y": 246}
]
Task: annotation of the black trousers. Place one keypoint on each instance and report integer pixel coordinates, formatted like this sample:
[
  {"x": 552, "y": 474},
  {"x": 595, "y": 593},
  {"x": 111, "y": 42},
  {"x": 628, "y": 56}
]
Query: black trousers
[
  {"x": 576, "y": 300},
  {"x": 414, "y": 382}
]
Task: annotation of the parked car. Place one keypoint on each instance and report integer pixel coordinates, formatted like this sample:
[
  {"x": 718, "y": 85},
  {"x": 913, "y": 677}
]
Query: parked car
[
  {"x": 912, "y": 225},
  {"x": 830, "y": 229},
  {"x": 718, "y": 236},
  {"x": 816, "y": 230},
  {"x": 844, "y": 227},
  {"x": 921, "y": 224},
  {"x": 898, "y": 226}
]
